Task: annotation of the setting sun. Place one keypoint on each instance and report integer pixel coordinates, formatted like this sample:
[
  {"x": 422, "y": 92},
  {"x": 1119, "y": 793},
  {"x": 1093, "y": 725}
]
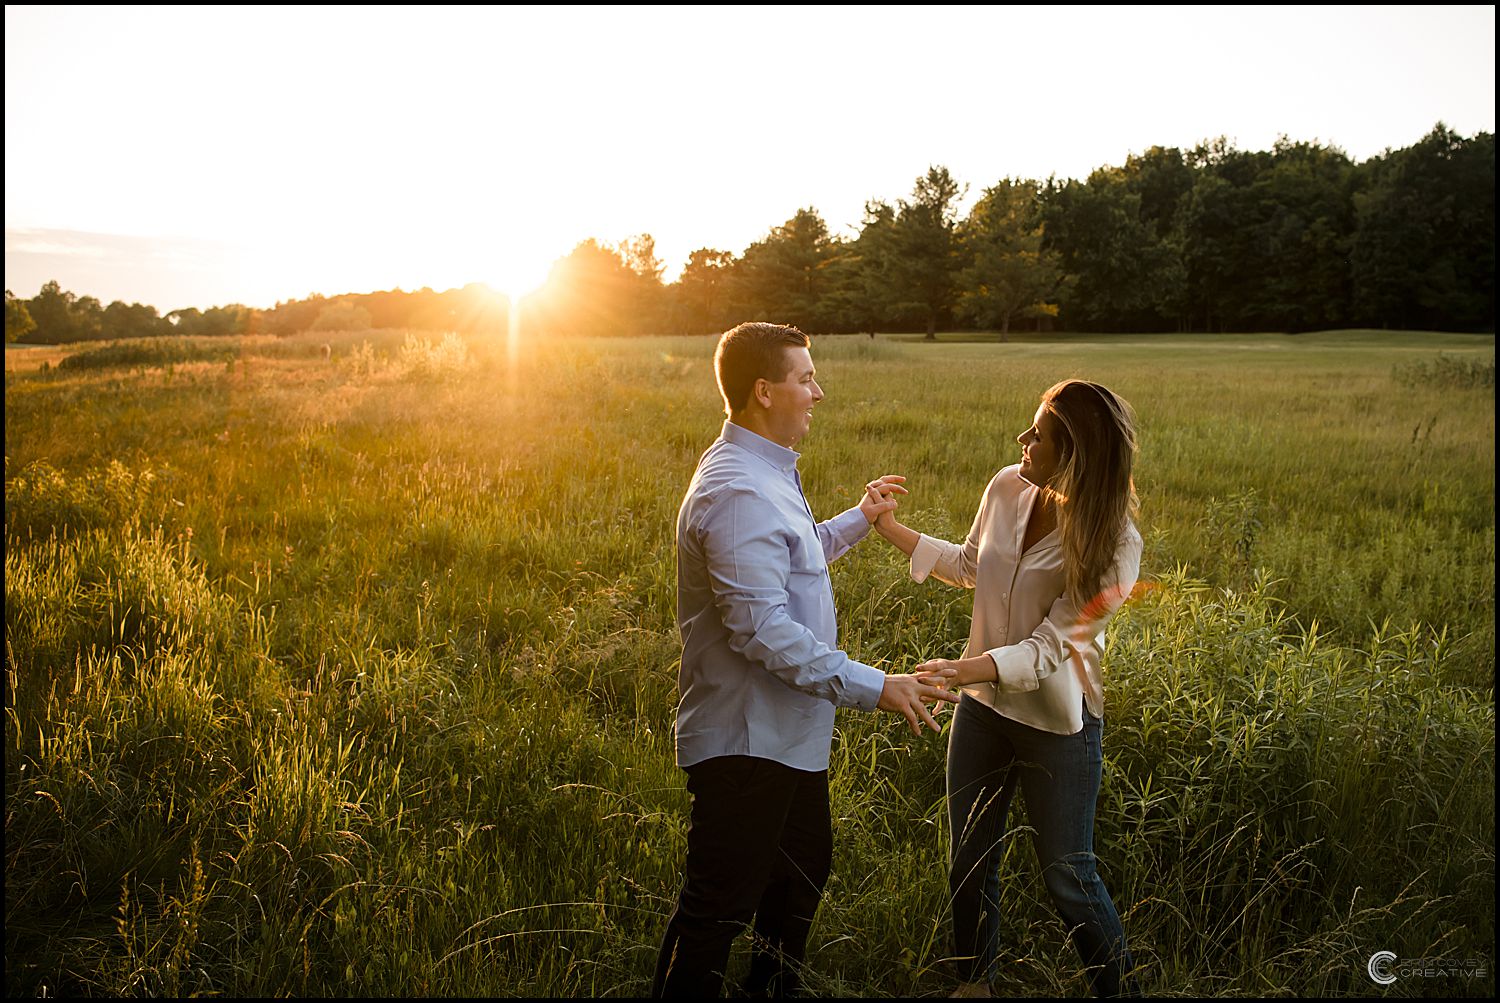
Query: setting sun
[{"x": 516, "y": 278}]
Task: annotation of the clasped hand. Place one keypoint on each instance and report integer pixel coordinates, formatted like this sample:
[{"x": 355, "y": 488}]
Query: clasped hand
[
  {"x": 880, "y": 496},
  {"x": 909, "y": 695},
  {"x": 939, "y": 672}
]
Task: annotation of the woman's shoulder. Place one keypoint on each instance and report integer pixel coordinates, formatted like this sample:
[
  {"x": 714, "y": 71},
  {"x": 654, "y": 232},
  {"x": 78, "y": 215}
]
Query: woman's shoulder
[
  {"x": 1006, "y": 485},
  {"x": 1008, "y": 479}
]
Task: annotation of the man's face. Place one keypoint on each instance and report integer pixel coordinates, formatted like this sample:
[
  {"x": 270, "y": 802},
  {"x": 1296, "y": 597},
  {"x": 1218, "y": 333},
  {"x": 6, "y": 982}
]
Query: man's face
[{"x": 789, "y": 416}]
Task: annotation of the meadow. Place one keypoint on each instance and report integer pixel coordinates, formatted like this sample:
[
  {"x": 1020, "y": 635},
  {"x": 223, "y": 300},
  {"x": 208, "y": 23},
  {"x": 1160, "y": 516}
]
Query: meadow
[{"x": 356, "y": 676}]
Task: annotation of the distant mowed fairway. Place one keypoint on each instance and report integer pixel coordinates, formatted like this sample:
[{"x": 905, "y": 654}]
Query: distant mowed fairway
[{"x": 357, "y": 676}]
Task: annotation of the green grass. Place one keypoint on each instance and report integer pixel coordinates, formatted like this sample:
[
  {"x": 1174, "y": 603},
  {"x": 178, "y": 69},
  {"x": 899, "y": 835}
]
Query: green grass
[
  {"x": 140, "y": 354},
  {"x": 357, "y": 676}
]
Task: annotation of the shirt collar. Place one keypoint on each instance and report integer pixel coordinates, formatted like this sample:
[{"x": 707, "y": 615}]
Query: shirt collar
[{"x": 773, "y": 453}]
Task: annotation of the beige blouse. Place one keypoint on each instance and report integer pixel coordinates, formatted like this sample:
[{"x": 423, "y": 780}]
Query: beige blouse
[{"x": 1046, "y": 654}]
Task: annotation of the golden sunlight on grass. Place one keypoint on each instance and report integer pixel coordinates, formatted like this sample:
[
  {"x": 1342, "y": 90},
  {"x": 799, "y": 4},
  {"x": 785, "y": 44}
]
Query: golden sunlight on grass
[
  {"x": 29, "y": 358},
  {"x": 319, "y": 663}
]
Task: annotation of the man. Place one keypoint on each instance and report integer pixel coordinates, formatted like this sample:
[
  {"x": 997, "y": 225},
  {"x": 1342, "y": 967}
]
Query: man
[{"x": 761, "y": 674}]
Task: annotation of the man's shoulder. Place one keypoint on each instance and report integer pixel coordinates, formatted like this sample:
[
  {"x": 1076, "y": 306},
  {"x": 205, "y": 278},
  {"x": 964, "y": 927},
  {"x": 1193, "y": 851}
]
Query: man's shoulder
[
  {"x": 724, "y": 466},
  {"x": 725, "y": 474}
]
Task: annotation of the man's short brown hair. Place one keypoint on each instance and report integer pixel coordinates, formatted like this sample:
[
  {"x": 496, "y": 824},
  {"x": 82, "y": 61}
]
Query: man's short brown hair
[{"x": 753, "y": 351}]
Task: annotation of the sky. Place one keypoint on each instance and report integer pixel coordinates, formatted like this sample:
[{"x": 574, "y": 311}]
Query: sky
[{"x": 198, "y": 156}]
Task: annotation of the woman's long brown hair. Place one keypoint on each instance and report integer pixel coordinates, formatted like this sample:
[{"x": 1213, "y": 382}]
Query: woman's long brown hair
[{"x": 1093, "y": 487}]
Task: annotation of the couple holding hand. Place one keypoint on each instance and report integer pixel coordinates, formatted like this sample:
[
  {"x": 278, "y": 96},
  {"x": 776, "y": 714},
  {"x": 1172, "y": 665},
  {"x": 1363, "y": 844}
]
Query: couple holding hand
[{"x": 1051, "y": 555}]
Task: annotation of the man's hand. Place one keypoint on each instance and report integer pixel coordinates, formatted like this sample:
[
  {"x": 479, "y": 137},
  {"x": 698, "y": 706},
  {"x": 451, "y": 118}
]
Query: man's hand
[
  {"x": 909, "y": 696},
  {"x": 880, "y": 496}
]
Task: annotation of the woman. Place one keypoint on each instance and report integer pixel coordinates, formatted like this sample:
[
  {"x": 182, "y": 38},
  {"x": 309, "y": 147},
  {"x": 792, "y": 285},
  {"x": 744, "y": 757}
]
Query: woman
[{"x": 1052, "y": 554}]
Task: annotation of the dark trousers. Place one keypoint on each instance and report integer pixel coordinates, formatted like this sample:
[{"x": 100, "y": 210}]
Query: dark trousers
[{"x": 760, "y": 846}]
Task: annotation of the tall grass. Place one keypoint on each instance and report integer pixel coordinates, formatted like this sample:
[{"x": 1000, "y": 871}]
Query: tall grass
[
  {"x": 1448, "y": 371},
  {"x": 359, "y": 678},
  {"x": 151, "y": 353}
]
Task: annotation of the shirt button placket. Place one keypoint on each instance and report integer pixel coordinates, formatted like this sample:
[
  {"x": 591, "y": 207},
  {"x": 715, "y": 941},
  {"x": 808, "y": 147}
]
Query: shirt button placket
[{"x": 1015, "y": 569}]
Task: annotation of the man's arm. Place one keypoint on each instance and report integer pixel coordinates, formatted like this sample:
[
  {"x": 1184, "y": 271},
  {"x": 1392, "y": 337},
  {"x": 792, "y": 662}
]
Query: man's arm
[
  {"x": 745, "y": 546},
  {"x": 843, "y": 531}
]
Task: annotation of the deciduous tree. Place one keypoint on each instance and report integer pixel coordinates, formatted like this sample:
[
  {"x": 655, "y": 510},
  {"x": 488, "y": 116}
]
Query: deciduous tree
[
  {"x": 782, "y": 276},
  {"x": 926, "y": 264},
  {"x": 18, "y": 322},
  {"x": 1123, "y": 275},
  {"x": 1008, "y": 272},
  {"x": 133, "y": 320},
  {"x": 590, "y": 291},
  {"x": 52, "y": 311},
  {"x": 1423, "y": 246},
  {"x": 700, "y": 292}
]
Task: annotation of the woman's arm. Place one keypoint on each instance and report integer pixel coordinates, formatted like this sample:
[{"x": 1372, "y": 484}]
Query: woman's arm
[
  {"x": 1062, "y": 635},
  {"x": 956, "y": 671},
  {"x": 953, "y": 563},
  {"x": 902, "y": 537}
]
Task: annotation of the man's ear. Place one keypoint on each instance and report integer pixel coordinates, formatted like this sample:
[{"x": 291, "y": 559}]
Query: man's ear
[{"x": 762, "y": 392}]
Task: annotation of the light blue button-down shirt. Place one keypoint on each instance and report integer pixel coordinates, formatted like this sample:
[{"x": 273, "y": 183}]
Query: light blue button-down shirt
[{"x": 761, "y": 670}]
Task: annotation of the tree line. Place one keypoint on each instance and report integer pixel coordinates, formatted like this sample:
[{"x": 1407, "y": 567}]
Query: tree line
[
  {"x": 55, "y": 315},
  {"x": 1295, "y": 238},
  {"x": 1209, "y": 239}
]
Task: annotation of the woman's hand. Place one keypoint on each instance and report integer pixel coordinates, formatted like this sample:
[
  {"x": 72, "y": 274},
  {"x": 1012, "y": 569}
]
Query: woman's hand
[
  {"x": 879, "y": 506},
  {"x": 941, "y": 672},
  {"x": 956, "y": 671}
]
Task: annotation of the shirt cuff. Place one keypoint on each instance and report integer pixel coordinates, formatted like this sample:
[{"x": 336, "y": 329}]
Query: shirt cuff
[
  {"x": 850, "y": 527},
  {"x": 924, "y": 557},
  {"x": 866, "y": 683},
  {"x": 1015, "y": 668}
]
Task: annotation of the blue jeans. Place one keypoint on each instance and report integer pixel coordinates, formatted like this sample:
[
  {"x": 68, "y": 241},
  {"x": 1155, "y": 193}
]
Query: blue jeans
[{"x": 988, "y": 755}]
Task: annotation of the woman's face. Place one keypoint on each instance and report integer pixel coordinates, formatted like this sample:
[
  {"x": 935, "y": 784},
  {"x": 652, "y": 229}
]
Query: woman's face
[{"x": 1041, "y": 448}]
